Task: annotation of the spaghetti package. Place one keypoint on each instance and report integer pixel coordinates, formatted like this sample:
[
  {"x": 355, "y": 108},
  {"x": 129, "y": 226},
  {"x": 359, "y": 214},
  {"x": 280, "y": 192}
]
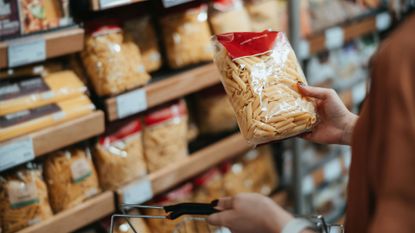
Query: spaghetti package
[
  {"x": 214, "y": 111},
  {"x": 260, "y": 73},
  {"x": 142, "y": 33},
  {"x": 186, "y": 37},
  {"x": 228, "y": 16},
  {"x": 71, "y": 178},
  {"x": 165, "y": 135},
  {"x": 23, "y": 199},
  {"x": 208, "y": 186},
  {"x": 119, "y": 155},
  {"x": 113, "y": 64}
]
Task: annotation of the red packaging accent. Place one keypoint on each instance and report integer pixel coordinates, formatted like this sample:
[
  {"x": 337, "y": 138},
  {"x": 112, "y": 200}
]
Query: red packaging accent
[
  {"x": 100, "y": 27},
  {"x": 181, "y": 193},
  {"x": 121, "y": 133},
  {"x": 206, "y": 177},
  {"x": 242, "y": 44},
  {"x": 223, "y": 5},
  {"x": 162, "y": 114}
]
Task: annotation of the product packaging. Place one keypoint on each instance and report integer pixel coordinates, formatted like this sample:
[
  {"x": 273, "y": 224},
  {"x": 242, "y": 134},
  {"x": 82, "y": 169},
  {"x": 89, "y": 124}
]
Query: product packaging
[
  {"x": 39, "y": 15},
  {"x": 228, "y": 16},
  {"x": 141, "y": 32},
  {"x": 186, "y": 37},
  {"x": 19, "y": 95},
  {"x": 119, "y": 155},
  {"x": 23, "y": 199},
  {"x": 208, "y": 186},
  {"x": 165, "y": 135},
  {"x": 9, "y": 19},
  {"x": 26, "y": 121},
  {"x": 260, "y": 73},
  {"x": 267, "y": 14},
  {"x": 214, "y": 111},
  {"x": 113, "y": 64},
  {"x": 71, "y": 178}
]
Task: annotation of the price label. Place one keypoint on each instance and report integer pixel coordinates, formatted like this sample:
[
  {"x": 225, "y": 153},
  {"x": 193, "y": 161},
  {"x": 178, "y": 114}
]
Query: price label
[
  {"x": 137, "y": 192},
  {"x": 170, "y": 3},
  {"x": 332, "y": 170},
  {"x": 103, "y": 4},
  {"x": 16, "y": 152},
  {"x": 359, "y": 92},
  {"x": 26, "y": 51},
  {"x": 303, "y": 50},
  {"x": 383, "y": 21},
  {"x": 334, "y": 37},
  {"x": 131, "y": 103},
  {"x": 308, "y": 184}
]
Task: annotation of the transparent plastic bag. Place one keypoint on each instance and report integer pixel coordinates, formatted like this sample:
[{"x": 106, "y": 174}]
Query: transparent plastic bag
[
  {"x": 71, "y": 178},
  {"x": 119, "y": 155},
  {"x": 260, "y": 73},
  {"x": 187, "y": 37},
  {"x": 113, "y": 64},
  {"x": 228, "y": 16},
  {"x": 23, "y": 199},
  {"x": 165, "y": 135},
  {"x": 142, "y": 33}
]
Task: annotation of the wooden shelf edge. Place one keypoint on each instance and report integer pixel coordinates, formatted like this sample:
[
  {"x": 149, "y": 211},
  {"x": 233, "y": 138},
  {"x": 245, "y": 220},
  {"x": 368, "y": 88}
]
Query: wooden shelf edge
[
  {"x": 78, "y": 216},
  {"x": 173, "y": 87},
  {"x": 58, "y": 43}
]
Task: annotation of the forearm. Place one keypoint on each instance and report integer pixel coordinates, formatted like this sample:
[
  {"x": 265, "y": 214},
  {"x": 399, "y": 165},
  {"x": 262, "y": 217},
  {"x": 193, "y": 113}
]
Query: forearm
[{"x": 348, "y": 129}]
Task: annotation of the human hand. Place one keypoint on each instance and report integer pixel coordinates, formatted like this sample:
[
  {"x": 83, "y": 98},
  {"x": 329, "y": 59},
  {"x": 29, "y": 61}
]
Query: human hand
[
  {"x": 248, "y": 213},
  {"x": 336, "y": 122}
]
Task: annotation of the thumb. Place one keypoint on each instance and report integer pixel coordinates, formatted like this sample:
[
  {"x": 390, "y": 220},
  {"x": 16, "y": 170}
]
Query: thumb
[
  {"x": 220, "y": 219},
  {"x": 315, "y": 92}
]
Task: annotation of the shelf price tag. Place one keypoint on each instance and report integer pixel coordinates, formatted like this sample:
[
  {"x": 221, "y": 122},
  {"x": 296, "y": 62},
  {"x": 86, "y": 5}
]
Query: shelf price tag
[
  {"x": 308, "y": 184},
  {"x": 170, "y": 3},
  {"x": 131, "y": 102},
  {"x": 103, "y": 4},
  {"x": 383, "y": 21},
  {"x": 332, "y": 170},
  {"x": 137, "y": 192},
  {"x": 334, "y": 37},
  {"x": 304, "y": 50},
  {"x": 26, "y": 51},
  {"x": 16, "y": 152}
]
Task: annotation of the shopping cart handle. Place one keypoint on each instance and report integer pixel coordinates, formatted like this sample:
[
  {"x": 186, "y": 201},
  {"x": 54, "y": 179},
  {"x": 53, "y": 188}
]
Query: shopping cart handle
[{"x": 175, "y": 211}]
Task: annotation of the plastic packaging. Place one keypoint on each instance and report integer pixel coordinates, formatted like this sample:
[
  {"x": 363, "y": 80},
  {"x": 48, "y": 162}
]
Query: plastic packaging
[
  {"x": 23, "y": 199},
  {"x": 214, "y": 111},
  {"x": 165, "y": 135},
  {"x": 114, "y": 65},
  {"x": 71, "y": 178},
  {"x": 34, "y": 92},
  {"x": 228, "y": 16},
  {"x": 208, "y": 186},
  {"x": 142, "y": 33},
  {"x": 260, "y": 73},
  {"x": 187, "y": 37},
  {"x": 119, "y": 155}
]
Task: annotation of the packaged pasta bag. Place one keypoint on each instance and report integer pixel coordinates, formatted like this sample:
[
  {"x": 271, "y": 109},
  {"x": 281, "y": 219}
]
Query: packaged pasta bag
[
  {"x": 228, "y": 16},
  {"x": 165, "y": 135},
  {"x": 119, "y": 155},
  {"x": 260, "y": 73},
  {"x": 113, "y": 64},
  {"x": 71, "y": 178},
  {"x": 267, "y": 14},
  {"x": 141, "y": 31},
  {"x": 208, "y": 186},
  {"x": 23, "y": 199},
  {"x": 186, "y": 37},
  {"x": 214, "y": 111}
]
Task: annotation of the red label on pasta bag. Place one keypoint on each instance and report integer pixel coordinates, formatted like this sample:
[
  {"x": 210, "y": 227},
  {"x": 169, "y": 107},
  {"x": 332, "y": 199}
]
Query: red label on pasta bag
[
  {"x": 206, "y": 177},
  {"x": 121, "y": 133},
  {"x": 162, "y": 114},
  {"x": 103, "y": 27},
  {"x": 242, "y": 44},
  {"x": 224, "y": 5}
]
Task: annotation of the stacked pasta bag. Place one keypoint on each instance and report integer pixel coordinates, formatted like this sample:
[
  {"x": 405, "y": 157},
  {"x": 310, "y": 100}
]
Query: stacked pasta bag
[{"x": 260, "y": 73}]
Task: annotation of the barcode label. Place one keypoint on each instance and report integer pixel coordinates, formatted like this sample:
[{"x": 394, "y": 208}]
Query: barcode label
[
  {"x": 26, "y": 51},
  {"x": 16, "y": 152},
  {"x": 131, "y": 103}
]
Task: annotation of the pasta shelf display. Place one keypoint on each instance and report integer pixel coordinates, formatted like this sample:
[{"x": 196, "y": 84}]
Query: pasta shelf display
[
  {"x": 71, "y": 178},
  {"x": 228, "y": 16},
  {"x": 260, "y": 73},
  {"x": 23, "y": 199}
]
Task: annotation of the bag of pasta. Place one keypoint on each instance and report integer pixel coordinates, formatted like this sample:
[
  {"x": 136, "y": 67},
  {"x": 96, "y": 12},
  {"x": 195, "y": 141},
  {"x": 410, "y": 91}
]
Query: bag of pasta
[
  {"x": 23, "y": 199},
  {"x": 113, "y": 64},
  {"x": 187, "y": 37},
  {"x": 165, "y": 135},
  {"x": 208, "y": 186},
  {"x": 214, "y": 111},
  {"x": 71, "y": 178},
  {"x": 119, "y": 155},
  {"x": 260, "y": 73},
  {"x": 142, "y": 33},
  {"x": 228, "y": 16},
  {"x": 267, "y": 14}
]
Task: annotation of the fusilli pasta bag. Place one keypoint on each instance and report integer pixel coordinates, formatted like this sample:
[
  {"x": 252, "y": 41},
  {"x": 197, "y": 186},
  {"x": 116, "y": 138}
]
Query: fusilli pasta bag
[
  {"x": 71, "y": 178},
  {"x": 23, "y": 199},
  {"x": 260, "y": 73}
]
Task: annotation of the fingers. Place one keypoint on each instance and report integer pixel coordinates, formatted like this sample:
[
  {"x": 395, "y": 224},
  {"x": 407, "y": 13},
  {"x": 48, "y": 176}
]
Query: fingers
[
  {"x": 223, "y": 218},
  {"x": 225, "y": 203},
  {"x": 316, "y": 92}
]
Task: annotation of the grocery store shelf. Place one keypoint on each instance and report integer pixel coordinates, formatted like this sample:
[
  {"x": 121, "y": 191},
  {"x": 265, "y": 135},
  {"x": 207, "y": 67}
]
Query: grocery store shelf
[
  {"x": 77, "y": 217},
  {"x": 57, "y": 43},
  {"x": 170, "y": 88},
  {"x": 98, "y": 5}
]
